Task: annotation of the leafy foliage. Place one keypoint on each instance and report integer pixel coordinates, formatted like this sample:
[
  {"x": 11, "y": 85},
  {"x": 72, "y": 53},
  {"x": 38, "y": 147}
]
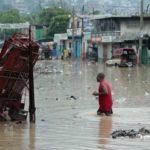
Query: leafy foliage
[
  {"x": 56, "y": 18},
  {"x": 47, "y": 14},
  {"x": 58, "y": 24},
  {"x": 11, "y": 16}
]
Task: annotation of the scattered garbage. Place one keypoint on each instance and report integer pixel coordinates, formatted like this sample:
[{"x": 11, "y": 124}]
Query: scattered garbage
[
  {"x": 146, "y": 94},
  {"x": 121, "y": 100},
  {"x": 12, "y": 115},
  {"x": 129, "y": 75},
  {"x": 130, "y": 133},
  {"x": 116, "y": 79},
  {"x": 71, "y": 98},
  {"x": 5, "y": 115},
  {"x": 57, "y": 99}
]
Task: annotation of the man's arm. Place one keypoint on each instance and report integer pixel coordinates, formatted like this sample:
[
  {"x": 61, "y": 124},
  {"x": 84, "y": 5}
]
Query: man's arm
[{"x": 104, "y": 90}]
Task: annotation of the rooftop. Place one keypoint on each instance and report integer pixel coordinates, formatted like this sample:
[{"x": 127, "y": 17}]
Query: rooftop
[{"x": 96, "y": 17}]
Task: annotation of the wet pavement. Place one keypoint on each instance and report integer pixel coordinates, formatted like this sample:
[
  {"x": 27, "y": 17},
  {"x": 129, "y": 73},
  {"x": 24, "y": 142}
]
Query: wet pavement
[{"x": 66, "y": 110}]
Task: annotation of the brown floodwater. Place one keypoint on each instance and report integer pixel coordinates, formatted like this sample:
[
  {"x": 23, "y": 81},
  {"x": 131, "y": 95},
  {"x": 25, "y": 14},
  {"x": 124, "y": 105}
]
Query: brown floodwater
[{"x": 64, "y": 123}]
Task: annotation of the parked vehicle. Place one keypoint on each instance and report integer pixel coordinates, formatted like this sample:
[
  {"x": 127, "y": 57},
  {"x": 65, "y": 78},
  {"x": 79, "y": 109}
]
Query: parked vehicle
[{"x": 124, "y": 57}]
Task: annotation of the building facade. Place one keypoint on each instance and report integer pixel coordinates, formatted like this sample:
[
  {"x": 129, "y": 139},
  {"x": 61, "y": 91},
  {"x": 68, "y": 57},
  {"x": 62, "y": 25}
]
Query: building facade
[
  {"x": 111, "y": 32},
  {"x": 74, "y": 33}
]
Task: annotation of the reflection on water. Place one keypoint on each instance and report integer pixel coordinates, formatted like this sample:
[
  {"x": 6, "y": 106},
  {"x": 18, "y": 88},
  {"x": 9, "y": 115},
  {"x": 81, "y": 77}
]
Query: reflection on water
[
  {"x": 71, "y": 124},
  {"x": 32, "y": 135},
  {"x": 105, "y": 129}
]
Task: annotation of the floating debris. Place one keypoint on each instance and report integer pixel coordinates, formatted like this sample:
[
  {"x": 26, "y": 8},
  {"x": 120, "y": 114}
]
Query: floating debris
[
  {"x": 5, "y": 115},
  {"x": 130, "y": 133},
  {"x": 129, "y": 75},
  {"x": 124, "y": 133},
  {"x": 57, "y": 99},
  {"x": 146, "y": 94},
  {"x": 73, "y": 97},
  {"x": 121, "y": 100},
  {"x": 144, "y": 131}
]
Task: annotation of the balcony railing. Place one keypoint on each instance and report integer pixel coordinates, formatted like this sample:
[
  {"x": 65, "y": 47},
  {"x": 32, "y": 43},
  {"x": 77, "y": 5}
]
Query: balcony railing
[{"x": 106, "y": 33}]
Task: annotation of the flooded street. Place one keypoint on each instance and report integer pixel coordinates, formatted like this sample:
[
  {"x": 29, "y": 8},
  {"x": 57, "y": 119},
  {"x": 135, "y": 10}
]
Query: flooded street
[{"x": 66, "y": 110}]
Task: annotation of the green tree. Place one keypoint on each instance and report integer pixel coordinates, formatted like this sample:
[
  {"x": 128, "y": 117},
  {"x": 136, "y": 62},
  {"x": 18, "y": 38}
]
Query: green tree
[
  {"x": 58, "y": 24},
  {"x": 56, "y": 18},
  {"x": 46, "y": 16},
  {"x": 11, "y": 16}
]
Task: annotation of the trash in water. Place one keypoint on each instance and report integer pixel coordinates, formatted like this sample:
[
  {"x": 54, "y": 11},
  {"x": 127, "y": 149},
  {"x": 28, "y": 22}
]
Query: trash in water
[
  {"x": 129, "y": 75},
  {"x": 73, "y": 97},
  {"x": 130, "y": 133},
  {"x": 146, "y": 94},
  {"x": 121, "y": 100},
  {"x": 116, "y": 79}
]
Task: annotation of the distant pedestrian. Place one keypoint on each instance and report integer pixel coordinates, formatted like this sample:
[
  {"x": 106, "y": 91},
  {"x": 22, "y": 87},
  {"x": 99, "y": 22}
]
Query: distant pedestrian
[
  {"x": 69, "y": 53},
  {"x": 65, "y": 54},
  {"x": 105, "y": 96}
]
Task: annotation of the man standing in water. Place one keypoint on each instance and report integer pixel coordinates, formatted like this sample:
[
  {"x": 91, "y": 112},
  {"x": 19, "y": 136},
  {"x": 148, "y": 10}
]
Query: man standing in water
[{"x": 105, "y": 96}]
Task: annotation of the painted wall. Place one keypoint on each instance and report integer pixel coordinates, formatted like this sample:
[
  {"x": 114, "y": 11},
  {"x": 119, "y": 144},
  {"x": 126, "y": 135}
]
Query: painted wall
[
  {"x": 100, "y": 51},
  {"x": 39, "y": 34},
  {"x": 131, "y": 27},
  {"x": 77, "y": 48},
  {"x": 107, "y": 51}
]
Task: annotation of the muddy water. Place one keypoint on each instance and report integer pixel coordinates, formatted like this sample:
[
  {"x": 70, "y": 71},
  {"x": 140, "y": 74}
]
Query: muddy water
[{"x": 64, "y": 123}]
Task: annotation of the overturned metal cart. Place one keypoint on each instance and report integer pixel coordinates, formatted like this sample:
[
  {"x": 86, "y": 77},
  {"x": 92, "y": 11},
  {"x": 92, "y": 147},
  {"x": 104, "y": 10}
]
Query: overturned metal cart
[{"x": 14, "y": 73}]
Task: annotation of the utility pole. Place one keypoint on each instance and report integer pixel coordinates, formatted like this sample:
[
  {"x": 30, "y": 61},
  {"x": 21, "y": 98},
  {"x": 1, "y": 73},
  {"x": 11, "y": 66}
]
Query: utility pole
[
  {"x": 141, "y": 31},
  {"x": 82, "y": 34},
  {"x": 31, "y": 82},
  {"x": 73, "y": 29}
]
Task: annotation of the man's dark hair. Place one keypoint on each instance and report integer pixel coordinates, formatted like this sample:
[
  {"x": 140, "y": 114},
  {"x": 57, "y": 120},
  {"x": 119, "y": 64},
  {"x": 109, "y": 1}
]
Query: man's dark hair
[{"x": 101, "y": 76}]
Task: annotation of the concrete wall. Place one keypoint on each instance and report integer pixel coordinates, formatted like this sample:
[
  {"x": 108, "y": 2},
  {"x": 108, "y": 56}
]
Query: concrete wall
[
  {"x": 108, "y": 50},
  {"x": 132, "y": 27},
  {"x": 100, "y": 51}
]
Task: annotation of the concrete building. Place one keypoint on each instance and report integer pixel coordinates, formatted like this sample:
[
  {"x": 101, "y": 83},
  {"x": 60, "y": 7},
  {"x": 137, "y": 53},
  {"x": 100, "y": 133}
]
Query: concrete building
[
  {"x": 62, "y": 43},
  {"x": 74, "y": 33},
  {"x": 80, "y": 34},
  {"x": 111, "y": 32}
]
